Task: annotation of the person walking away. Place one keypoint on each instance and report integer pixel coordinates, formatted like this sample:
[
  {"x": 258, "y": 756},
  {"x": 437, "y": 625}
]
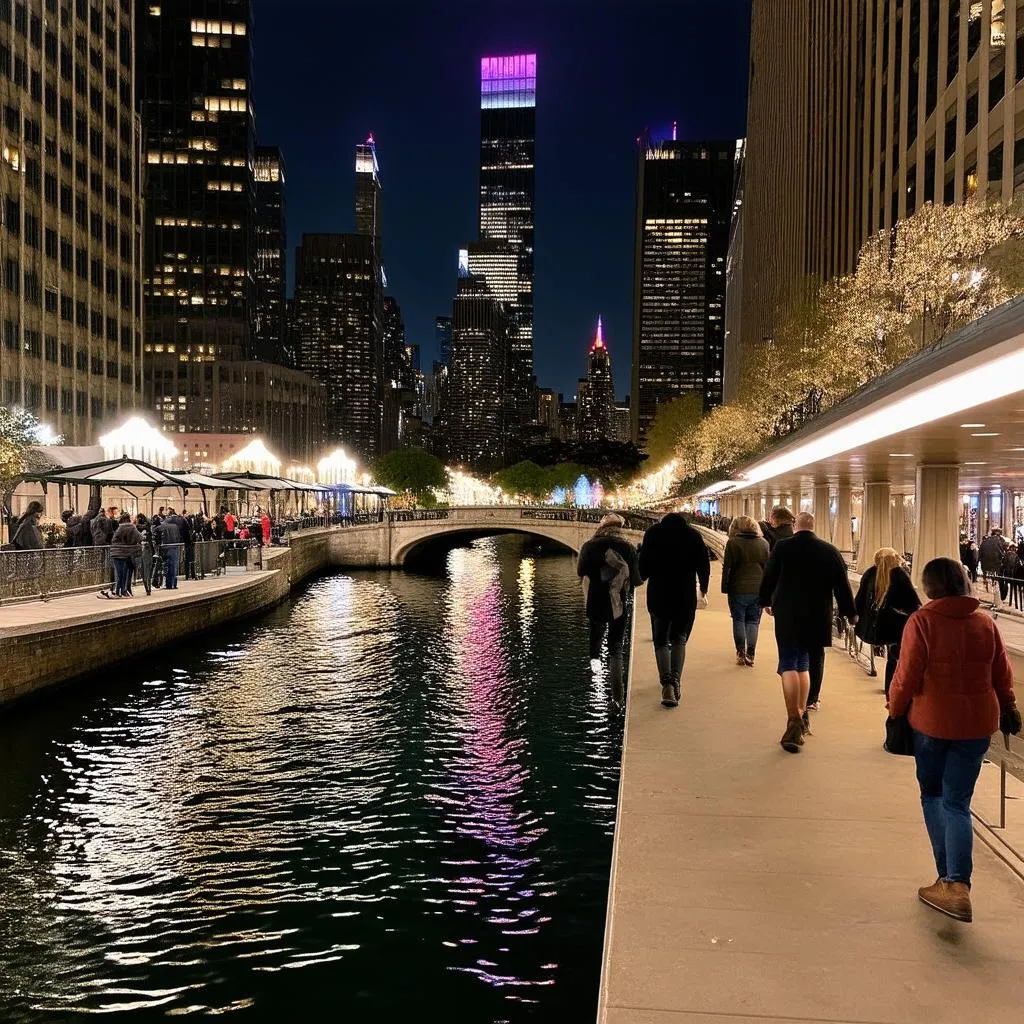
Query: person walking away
[
  {"x": 147, "y": 552},
  {"x": 1008, "y": 570},
  {"x": 969, "y": 556},
  {"x": 608, "y": 566},
  {"x": 170, "y": 538},
  {"x": 990, "y": 555},
  {"x": 125, "y": 546},
  {"x": 802, "y": 576},
  {"x": 674, "y": 561},
  {"x": 885, "y": 601},
  {"x": 25, "y": 533},
  {"x": 955, "y": 684},
  {"x": 779, "y": 525},
  {"x": 188, "y": 546},
  {"x": 746, "y": 554}
]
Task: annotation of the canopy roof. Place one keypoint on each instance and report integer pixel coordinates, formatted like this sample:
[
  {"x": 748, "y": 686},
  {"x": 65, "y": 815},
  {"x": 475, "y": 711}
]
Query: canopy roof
[
  {"x": 110, "y": 473},
  {"x": 264, "y": 483},
  {"x": 208, "y": 483}
]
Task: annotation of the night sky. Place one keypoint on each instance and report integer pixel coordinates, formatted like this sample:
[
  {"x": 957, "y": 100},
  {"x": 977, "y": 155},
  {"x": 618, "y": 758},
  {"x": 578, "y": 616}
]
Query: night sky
[{"x": 328, "y": 72}]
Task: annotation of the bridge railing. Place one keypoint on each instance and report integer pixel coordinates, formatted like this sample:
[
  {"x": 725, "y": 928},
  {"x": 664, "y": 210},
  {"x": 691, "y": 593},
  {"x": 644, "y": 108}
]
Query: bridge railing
[{"x": 417, "y": 515}]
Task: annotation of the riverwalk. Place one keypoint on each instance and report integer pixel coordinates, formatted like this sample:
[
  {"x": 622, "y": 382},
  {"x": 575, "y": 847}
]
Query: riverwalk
[{"x": 752, "y": 885}]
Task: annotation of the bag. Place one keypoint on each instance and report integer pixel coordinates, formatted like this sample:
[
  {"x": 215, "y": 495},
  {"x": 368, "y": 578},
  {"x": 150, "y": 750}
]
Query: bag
[
  {"x": 889, "y": 624},
  {"x": 899, "y": 736}
]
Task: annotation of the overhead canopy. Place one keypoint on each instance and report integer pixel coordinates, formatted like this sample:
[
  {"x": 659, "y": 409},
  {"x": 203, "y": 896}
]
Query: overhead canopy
[
  {"x": 264, "y": 483},
  {"x": 208, "y": 483},
  {"x": 111, "y": 473}
]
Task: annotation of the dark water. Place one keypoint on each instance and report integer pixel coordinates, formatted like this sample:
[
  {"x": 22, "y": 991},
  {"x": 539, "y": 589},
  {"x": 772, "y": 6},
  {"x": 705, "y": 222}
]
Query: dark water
[{"x": 391, "y": 799}]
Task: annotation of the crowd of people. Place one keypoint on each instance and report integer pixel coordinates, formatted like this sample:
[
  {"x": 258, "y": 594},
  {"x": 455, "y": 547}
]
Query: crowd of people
[{"x": 948, "y": 678}]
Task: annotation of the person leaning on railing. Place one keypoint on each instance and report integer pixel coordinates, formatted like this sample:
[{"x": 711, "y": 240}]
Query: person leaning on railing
[{"x": 25, "y": 533}]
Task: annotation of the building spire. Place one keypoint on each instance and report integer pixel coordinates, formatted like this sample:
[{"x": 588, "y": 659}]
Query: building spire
[{"x": 599, "y": 339}]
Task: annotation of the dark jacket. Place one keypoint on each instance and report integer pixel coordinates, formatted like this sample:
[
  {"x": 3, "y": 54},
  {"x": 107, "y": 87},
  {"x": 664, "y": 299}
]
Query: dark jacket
[
  {"x": 800, "y": 580},
  {"x": 885, "y": 624},
  {"x": 601, "y": 564},
  {"x": 171, "y": 530},
  {"x": 953, "y": 671},
  {"x": 1009, "y": 567},
  {"x": 969, "y": 554},
  {"x": 102, "y": 529},
  {"x": 126, "y": 542},
  {"x": 773, "y": 534},
  {"x": 746, "y": 555},
  {"x": 990, "y": 554},
  {"x": 83, "y": 533},
  {"x": 674, "y": 560},
  {"x": 25, "y": 533}
]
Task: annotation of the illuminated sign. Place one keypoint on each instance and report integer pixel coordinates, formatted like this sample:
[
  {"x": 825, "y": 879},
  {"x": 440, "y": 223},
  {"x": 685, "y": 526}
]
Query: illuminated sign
[{"x": 508, "y": 81}]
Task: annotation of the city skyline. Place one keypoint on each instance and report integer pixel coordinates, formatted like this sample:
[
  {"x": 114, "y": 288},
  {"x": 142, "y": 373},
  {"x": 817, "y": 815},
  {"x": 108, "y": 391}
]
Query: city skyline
[{"x": 597, "y": 93}]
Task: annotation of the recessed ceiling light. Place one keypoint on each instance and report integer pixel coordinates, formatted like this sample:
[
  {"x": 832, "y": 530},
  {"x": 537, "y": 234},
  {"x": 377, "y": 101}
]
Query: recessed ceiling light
[
  {"x": 986, "y": 434},
  {"x": 972, "y": 424},
  {"x": 975, "y": 463},
  {"x": 901, "y": 455}
]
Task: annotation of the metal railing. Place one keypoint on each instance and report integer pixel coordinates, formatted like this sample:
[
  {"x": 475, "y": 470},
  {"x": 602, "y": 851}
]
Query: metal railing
[{"x": 417, "y": 515}]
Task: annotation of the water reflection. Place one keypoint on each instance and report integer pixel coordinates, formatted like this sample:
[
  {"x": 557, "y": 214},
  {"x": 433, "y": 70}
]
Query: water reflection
[{"x": 397, "y": 777}]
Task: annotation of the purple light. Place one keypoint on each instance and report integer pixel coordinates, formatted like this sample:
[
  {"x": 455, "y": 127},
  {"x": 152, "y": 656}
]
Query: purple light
[{"x": 508, "y": 81}]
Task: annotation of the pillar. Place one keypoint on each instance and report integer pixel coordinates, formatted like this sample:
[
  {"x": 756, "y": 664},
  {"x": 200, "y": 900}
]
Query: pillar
[
  {"x": 876, "y": 527},
  {"x": 1006, "y": 513},
  {"x": 748, "y": 505},
  {"x": 820, "y": 508},
  {"x": 936, "y": 499},
  {"x": 899, "y": 523},
  {"x": 842, "y": 534}
]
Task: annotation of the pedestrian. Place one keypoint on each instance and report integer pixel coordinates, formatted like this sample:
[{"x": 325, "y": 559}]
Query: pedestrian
[
  {"x": 147, "y": 553},
  {"x": 25, "y": 533},
  {"x": 267, "y": 527},
  {"x": 885, "y": 601},
  {"x": 746, "y": 554},
  {"x": 990, "y": 555},
  {"x": 955, "y": 685},
  {"x": 72, "y": 521},
  {"x": 608, "y": 566},
  {"x": 103, "y": 526},
  {"x": 801, "y": 578},
  {"x": 969, "y": 556},
  {"x": 125, "y": 547},
  {"x": 170, "y": 539},
  {"x": 229, "y": 522},
  {"x": 778, "y": 526},
  {"x": 1008, "y": 573},
  {"x": 674, "y": 561}
]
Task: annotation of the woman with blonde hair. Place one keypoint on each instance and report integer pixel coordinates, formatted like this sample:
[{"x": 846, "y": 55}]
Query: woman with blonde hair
[
  {"x": 746, "y": 554},
  {"x": 885, "y": 600}
]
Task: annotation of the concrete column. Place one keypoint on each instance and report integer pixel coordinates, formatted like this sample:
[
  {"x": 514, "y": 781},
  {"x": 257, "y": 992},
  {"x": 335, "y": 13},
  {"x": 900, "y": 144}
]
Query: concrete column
[
  {"x": 909, "y": 523},
  {"x": 822, "y": 520},
  {"x": 937, "y": 501},
  {"x": 876, "y": 526},
  {"x": 842, "y": 535},
  {"x": 748, "y": 505},
  {"x": 1006, "y": 513},
  {"x": 898, "y": 516}
]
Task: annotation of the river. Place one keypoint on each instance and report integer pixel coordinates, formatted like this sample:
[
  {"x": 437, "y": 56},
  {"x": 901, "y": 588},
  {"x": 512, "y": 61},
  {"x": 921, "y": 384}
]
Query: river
[{"x": 392, "y": 798}]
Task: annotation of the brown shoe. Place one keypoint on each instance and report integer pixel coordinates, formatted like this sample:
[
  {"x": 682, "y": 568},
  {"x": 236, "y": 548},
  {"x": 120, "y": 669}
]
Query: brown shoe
[
  {"x": 668, "y": 696},
  {"x": 741, "y": 658},
  {"x": 950, "y": 898},
  {"x": 793, "y": 738}
]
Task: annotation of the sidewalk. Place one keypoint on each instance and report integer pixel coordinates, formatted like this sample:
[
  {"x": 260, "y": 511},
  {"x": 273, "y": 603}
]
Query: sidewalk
[{"x": 749, "y": 884}]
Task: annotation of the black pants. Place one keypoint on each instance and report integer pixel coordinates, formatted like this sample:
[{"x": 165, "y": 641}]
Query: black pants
[
  {"x": 817, "y": 673},
  {"x": 616, "y": 630},
  {"x": 670, "y": 633},
  {"x": 892, "y": 658}
]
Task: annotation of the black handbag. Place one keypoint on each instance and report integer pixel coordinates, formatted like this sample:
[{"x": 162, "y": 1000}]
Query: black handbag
[{"x": 899, "y": 736}]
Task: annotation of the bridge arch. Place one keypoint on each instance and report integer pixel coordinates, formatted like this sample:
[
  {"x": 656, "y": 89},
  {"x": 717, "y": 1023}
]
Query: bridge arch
[{"x": 405, "y": 543}]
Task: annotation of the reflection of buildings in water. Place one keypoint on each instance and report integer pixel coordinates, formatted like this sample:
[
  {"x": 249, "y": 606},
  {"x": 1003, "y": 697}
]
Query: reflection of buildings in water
[{"x": 527, "y": 576}]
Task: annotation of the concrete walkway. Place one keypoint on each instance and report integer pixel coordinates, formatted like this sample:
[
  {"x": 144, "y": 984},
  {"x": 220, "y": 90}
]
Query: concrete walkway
[
  {"x": 35, "y": 616},
  {"x": 751, "y": 885}
]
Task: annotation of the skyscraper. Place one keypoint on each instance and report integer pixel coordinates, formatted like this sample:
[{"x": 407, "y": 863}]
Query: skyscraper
[
  {"x": 898, "y": 104},
  {"x": 508, "y": 92},
  {"x": 339, "y": 335},
  {"x": 683, "y": 202},
  {"x": 399, "y": 380},
  {"x": 477, "y": 410},
  {"x": 596, "y": 395},
  {"x": 443, "y": 338},
  {"x": 271, "y": 262},
  {"x": 70, "y": 303}
]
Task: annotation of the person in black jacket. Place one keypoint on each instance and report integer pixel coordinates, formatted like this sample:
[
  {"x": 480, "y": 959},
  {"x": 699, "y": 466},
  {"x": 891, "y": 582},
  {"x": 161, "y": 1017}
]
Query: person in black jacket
[
  {"x": 801, "y": 578},
  {"x": 608, "y": 567},
  {"x": 778, "y": 527},
  {"x": 148, "y": 552},
  {"x": 885, "y": 600},
  {"x": 170, "y": 536},
  {"x": 674, "y": 561}
]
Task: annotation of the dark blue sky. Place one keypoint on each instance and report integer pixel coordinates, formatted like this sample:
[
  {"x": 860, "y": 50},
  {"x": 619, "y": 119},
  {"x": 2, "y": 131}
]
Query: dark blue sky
[{"x": 330, "y": 71}]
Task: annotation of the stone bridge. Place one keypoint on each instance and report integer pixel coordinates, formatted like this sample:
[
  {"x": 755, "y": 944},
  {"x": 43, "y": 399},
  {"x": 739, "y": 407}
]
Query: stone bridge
[{"x": 390, "y": 542}]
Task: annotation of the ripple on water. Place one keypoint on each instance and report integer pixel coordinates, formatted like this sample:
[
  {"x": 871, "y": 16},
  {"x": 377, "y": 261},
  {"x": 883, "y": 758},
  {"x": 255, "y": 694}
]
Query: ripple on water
[{"x": 400, "y": 788}]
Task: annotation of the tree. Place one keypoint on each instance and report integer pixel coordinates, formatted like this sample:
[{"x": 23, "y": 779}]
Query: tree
[
  {"x": 526, "y": 479},
  {"x": 672, "y": 422},
  {"x": 410, "y": 469},
  {"x": 19, "y": 430}
]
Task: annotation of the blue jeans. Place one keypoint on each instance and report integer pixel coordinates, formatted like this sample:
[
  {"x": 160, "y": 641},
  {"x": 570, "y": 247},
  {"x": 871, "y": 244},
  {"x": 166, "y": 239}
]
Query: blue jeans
[
  {"x": 124, "y": 569},
  {"x": 947, "y": 771},
  {"x": 745, "y": 610},
  {"x": 172, "y": 556}
]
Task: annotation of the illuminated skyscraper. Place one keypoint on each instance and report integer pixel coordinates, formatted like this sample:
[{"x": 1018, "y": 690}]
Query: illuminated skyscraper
[
  {"x": 368, "y": 190},
  {"x": 596, "y": 397},
  {"x": 71, "y": 347},
  {"x": 270, "y": 266},
  {"x": 508, "y": 92},
  {"x": 683, "y": 206}
]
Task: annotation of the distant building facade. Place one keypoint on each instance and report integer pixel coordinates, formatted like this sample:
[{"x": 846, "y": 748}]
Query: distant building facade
[
  {"x": 270, "y": 268},
  {"x": 70, "y": 209},
  {"x": 443, "y": 338},
  {"x": 596, "y": 393},
  {"x": 683, "y": 203}
]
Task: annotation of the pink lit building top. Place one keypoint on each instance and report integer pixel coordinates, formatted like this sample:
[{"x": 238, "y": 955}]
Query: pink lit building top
[{"x": 508, "y": 81}]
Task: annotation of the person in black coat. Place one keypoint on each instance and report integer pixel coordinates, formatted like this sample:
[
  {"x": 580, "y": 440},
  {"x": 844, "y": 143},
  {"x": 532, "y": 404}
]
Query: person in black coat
[
  {"x": 674, "y": 561},
  {"x": 801, "y": 578},
  {"x": 882, "y": 612},
  {"x": 778, "y": 526},
  {"x": 607, "y": 564}
]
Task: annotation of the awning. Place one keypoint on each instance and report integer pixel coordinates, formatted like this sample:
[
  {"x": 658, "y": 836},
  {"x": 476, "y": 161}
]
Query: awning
[
  {"x": 265, "y": 483},
  {"x": 208, "y": 483},
  {"x": 111, "y": 473}
]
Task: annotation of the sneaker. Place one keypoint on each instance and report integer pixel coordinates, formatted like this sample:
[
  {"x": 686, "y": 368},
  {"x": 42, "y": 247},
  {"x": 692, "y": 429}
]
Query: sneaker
[
  {"x": 792, "y": 739},
  {"x": 950, "y": 898},
  {"x": 741, "y": 658},
  {"x": 805, "y": 723},
  {"x": 749, "y": 660},
  {"x": 816, "y": 706},
  {"x": 668, "y": 696}
]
